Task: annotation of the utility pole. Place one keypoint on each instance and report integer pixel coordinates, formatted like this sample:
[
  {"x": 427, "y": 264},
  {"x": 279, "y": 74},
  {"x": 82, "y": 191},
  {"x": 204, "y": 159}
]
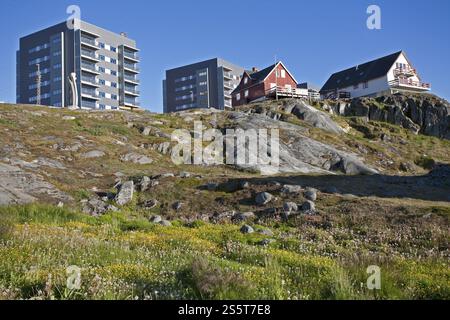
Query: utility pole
[
  {"x": 38, "y": 84},
  {"x": 276, "y": 79}
]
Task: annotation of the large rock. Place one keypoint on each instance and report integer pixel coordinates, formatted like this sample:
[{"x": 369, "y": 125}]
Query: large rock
[
  {"x": 93, "y": 154},
  {"x": 136, "y": 158},
  {"x": 311, "y": 194},
  {"x": 246, "y": 229},
  {"x": 97, "y": 207},
  {"x": 125, "y": 194},
  {"x": 308, "y": 207},
  {"x": 263, "y": 198},
  {"x": 316, "y": 118}
]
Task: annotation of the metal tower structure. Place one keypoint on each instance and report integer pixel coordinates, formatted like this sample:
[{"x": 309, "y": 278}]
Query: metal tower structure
[{"x": 38, "y": 84}]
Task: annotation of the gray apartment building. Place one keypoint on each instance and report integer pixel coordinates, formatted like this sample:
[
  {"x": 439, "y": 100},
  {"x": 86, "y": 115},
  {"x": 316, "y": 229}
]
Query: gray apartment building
[
  {"x": 206, "y": 84},
  {"x": 105, "y": 64}
]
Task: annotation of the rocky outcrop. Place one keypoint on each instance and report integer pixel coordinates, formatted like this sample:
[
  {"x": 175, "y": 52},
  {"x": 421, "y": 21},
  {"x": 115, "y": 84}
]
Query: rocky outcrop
[
  {"x": 20, "y": 187},
  {"x": 425, "y": 114},
  {"x": 299, "y": 153}
]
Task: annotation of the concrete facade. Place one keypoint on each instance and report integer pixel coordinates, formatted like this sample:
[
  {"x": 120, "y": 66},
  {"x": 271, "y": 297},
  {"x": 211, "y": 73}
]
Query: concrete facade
[{"x": 106, "y": 65}]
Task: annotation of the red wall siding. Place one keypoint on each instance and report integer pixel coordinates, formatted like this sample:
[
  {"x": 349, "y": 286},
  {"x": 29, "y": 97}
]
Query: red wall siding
[{"x": 281, "y": 82}]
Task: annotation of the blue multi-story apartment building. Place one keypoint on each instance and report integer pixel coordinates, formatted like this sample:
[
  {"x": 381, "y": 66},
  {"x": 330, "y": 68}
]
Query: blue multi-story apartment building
[
  {"x": 105, "y": 64},
  {"x": 206, "y": 84}
]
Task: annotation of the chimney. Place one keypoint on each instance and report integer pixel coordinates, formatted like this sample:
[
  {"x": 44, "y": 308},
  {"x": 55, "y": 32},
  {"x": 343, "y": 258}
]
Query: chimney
[
  {"x": 255, "y": 69},
  {"x": 123, "y": 34}
]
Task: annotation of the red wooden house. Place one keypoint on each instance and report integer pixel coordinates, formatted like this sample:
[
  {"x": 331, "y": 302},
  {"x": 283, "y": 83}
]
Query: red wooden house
[{"x": 271, "y": 82}]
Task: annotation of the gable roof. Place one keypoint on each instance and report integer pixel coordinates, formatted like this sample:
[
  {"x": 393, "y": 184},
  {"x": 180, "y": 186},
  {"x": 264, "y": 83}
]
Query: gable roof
[
  {"x": 261, "y": 76},
  {"x": 361, "y": 73}
]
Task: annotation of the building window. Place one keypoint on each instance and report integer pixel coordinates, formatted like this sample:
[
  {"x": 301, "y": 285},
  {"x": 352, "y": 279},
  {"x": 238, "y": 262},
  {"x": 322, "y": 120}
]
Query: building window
[
  {"x": 204, "y": 83},
  {"x": 366, "y": 85},
  {"x": 238, "y": 97},
  {"x": 283, "y": 73},
  {"x": 246, "y": 93},
  {"x": 114, "y": 61},
  {"x": 245, "y": 80},
  {"x": 202, "y": 74},
  {"x": 101, "y": 45},
  {"x": 57, "y": 66},
  {"x": 114, "y": 97},
  {"x": 102, "y": 57},
  {"x": 184, "y": 79}
]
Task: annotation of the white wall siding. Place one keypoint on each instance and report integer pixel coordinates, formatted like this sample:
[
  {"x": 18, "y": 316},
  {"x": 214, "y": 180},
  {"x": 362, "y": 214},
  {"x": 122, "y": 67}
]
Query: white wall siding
[{"x": 374, "y": 86}]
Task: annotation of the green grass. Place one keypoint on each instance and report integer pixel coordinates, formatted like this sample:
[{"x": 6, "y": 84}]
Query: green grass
[{"x": 125, "y": 257}]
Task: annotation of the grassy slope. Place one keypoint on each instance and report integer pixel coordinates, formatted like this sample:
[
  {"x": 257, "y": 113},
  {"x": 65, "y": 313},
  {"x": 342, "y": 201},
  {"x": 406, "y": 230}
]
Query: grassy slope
[{"x": 122, "y": 255}]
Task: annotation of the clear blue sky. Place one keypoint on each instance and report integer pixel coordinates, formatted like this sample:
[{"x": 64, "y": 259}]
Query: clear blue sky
[{"x": 313, "y": 38}]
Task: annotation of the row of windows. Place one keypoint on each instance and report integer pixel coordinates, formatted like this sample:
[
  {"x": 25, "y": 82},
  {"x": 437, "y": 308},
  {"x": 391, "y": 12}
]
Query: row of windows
[
  {"x": 39, "y": 48},
  {"x": 106, "y": 107},
  {"x": 34, "y": 85},
  {"x": 38, "y": 60},
  {"x": 43, "y": 71},
  {"x": 186, "y": 106},
  {"x": 43, "y": 96},
  {"x": 182, "y": 79},
  {"x": 185, "y": 97},
  {"x": 400, "y": 65},
  {"x": 365, "y": 85},
  {"x": 107, "y": 95},
  {"x": 107, "y": 83},
  {"x": 107, "y": 71},
  {"x": 107, "y": 47},
  {"x": 238, "y": 96},
  {"x": 107, "y": 59},
  {"x": 191, "y": 86}
]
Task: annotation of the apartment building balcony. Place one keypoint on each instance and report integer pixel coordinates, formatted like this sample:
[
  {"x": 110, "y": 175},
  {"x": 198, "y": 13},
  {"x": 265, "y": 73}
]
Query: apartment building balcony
[
  {"x": 228, "y": 85},
  {"x": 131, "y": 91},
  {"x": 133, "y": 56},
  {"x": 89, "y": 93},
  {"x": 89, "y": 67},
  {"x": 89, "y": 81},
  {"x": 131, "y": 67},
  {"x": 131, "y": 79},
  {"x": 228, "y": 76},
  {"x": 131, "y": 102},
  {"x": 89, "y": 55},
  {"x": 405, "y": 72},
  {"x": 89, "y": 42},
  {"x": 88, "y": 104},
  {"x": 408, "y": 84}
]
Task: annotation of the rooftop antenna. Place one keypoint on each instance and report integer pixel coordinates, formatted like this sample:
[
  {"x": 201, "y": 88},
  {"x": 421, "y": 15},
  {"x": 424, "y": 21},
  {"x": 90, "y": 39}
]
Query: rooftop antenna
[{"x": 38, "y": 84}]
